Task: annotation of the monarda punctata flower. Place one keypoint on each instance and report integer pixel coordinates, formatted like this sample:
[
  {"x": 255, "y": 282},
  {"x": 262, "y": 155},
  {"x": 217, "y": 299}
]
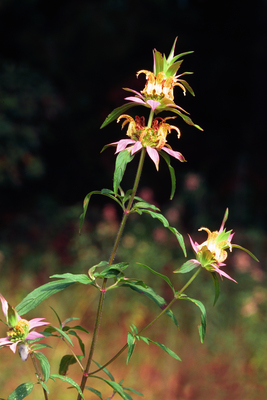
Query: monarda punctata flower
[
  {"x": 20, "y": 330},
  {"x": 153, "y": 139},
  {"x": 212, "y": 253}
]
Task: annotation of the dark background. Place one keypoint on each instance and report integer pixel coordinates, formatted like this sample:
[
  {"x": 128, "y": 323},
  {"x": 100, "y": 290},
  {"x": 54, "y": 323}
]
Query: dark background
[{"x": 63, "y": 66}]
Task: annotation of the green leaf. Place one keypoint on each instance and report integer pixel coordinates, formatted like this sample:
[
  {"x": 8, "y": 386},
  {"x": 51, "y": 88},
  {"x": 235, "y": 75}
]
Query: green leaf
[
  {"x": 187, "y": 119},
  {"x": 69, "y": 381},
  {"x": 123, "y": 158},
  {"x": 133, "y": 391},
  {"x": 44, "y": 364},
  {"x": 79, "y": 340},
  {"x": 117, "y": 112},
  {"x": 61, "y": 332},
  {"x": 115, "y": 386},
  {"x": 165, "y": 348},
  {"x": 65, "y": 362},
  {"x": 151, "y": 294},
  {"x": 39, "y": 346},
  {"x": 96, "y": 392},
  {"x": 166, "y": 279},
  {"x": 187, "y": 267},
  {"x": 80, "y": 278},
  {"x": 166, "y": 157},
  {"x": 247, "y": 251},
  {"x": 104, "y": 192},
  {"x": 131, "y": 346},
  {"x": 179, "y": 237},
  {"x": 202, "y": 327},
  {"x": 21, "y": 391},
  {"x": 40, "y": 294},
  {"x": 144, "y": 204},
  {"x": 59, "y": 320},
  {"x": 158, "y": 62},
  {"x": 216, "y": 286},
  {"x": 109, "y": 374}
]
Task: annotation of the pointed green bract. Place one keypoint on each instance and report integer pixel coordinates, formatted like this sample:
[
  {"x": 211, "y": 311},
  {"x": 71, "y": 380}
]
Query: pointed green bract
[
  {"x": 187, "y": 267},
  {"x": 21, "y": 391}
]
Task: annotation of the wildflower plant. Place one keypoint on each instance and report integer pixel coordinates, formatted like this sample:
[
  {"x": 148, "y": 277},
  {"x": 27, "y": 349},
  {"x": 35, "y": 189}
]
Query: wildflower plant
[{"x": 145, "y": 136}]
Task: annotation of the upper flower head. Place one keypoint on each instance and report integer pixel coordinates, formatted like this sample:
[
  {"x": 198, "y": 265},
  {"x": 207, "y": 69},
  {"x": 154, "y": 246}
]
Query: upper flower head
[
  {"x": 20, "y": 329},
  {"x": 158, "y": 93},
  {"x": 153, "y": 139}
]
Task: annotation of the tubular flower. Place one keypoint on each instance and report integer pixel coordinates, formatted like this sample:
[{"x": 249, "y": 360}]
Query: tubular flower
[
  {"x": 20, "y": 330},
  {"x": 153, "y": 139}
]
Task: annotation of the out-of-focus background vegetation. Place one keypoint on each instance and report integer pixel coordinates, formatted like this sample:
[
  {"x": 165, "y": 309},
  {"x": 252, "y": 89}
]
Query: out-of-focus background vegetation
[{"x": 63, "y": 66}]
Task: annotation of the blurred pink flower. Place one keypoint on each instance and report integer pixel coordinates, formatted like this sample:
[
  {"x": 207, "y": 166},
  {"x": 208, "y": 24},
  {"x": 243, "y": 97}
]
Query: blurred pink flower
[{"x": 20, "y": 329}]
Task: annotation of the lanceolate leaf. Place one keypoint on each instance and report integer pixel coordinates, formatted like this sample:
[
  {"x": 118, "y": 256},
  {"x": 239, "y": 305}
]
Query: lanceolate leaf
[
  {"x": 202, "y": 327},
  {"x": 166, "y": 279},
  {"x": 69, "y": 381},
  {"x": 172, "y": 172},
  {"x": 216, "y": 286},
  {"x": 96, "y": 392},
  {"x": 165, "y": 348},
  {"x": 104, "y": 192},
  {"x": 115, "y": 386},
  {"x": 80, "y": 278},
  {"x": 247, "y": 251},
  {"x": 38, "y": 295},
  {"x": 109, "y": 374},
  {"x": 21, "y": 391},
  {"x": 44, "y": 364},
  {"x": 117, "y": 112},
  {"x": 123, "y": 158},
  {"x": 150, "y": 293},
  {"x": 131, "y": 346},
  {"x": 65, "y": 362}
]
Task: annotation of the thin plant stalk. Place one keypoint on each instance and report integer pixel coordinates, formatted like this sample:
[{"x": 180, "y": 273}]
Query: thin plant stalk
[{"x": 112, "y": 256}]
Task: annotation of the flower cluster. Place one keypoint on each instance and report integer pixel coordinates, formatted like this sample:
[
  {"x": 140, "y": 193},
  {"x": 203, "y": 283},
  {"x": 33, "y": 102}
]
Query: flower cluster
[
  {"x": 158, "y": 96},
  {"x": 212, "y": 253},
  {"x": 20, "y": 330},
  {"x": 153, "y": 138}
]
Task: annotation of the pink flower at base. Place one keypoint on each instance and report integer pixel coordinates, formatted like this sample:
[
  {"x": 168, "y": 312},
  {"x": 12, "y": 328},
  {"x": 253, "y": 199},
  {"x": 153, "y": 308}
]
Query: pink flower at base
[
  {"x": 20, "y": 330},
  {"x": 153, "y": 139}
]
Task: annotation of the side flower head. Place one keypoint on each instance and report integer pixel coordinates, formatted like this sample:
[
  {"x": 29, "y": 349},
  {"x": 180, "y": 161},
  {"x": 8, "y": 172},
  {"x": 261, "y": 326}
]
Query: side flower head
[
  {"x": 20, "y": 330},
  {"x": 153, "y": 139},
  {"x": 212, "y": 253}
]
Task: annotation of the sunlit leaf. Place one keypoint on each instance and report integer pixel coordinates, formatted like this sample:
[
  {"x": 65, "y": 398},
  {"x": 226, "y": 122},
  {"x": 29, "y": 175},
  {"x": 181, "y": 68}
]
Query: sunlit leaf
[
  {"x": 131, "y": 346},
  {"x": 187, "y": 267},
  {"x": 21, "y": 391}
]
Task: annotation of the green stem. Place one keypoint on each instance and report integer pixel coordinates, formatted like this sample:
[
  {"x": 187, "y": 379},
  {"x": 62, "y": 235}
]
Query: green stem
[
  {"x": 111, "y": 259},
  {"x": 38, "y": 372},
  {"x": 178, "y": 294}
]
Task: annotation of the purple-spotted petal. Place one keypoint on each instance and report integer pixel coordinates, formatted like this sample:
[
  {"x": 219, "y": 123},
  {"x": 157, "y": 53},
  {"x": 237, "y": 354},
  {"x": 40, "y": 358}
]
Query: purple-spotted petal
[
  {"x": 174, "y": 154},
  {"x": 136, "y": 147},
  {"x": 153, "y": 104},
  {"x": 222, "y": 273},
  {"x": 154, "y": 155}
]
